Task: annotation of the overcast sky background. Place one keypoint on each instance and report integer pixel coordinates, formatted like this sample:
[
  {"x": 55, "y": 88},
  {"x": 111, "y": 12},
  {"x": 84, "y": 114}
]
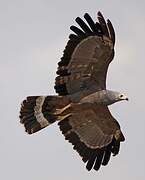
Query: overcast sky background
[{"x": 33, "y": 34}]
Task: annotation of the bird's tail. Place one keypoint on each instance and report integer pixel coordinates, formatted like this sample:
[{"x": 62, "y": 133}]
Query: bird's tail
[{"x": 37, "y": 112}]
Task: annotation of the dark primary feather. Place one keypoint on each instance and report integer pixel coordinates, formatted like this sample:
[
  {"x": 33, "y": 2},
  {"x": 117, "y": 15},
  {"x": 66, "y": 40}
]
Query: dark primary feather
[
  {"x": 99, "y": 29},
  {"x": 98, "y": 162},
  {"x": 92, "y": 159},
  {"x": 111, "y": 31},
  {"x": 116, "y": 147},
  {"x": 77, "y": 31},
  {"x": 107, "y": 154},
  {"x": 90, "y": 22},
  {"x": 103, "y": 24},
  {"x": 83, "y": 25}
]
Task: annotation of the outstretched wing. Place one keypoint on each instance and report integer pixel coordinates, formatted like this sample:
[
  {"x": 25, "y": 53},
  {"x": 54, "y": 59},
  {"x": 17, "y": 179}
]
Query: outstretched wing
[
  {"x": 86, "y": 57},
  {"x": 94, "y": 133}
]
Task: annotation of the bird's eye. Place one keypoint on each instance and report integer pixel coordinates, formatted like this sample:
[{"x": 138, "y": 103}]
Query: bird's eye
[{"x": 121, "y": 95}]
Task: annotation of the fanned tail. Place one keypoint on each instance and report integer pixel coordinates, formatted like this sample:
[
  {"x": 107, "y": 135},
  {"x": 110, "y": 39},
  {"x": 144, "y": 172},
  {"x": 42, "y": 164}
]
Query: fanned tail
[{"x": 38, "y": 112}]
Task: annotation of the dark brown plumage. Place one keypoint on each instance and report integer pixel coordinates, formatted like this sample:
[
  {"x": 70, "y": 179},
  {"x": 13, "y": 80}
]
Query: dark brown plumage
[{"x": 83, "y": 120}]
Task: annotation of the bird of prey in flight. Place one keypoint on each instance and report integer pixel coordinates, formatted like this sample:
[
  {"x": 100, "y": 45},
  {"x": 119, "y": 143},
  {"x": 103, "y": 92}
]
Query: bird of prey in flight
[{"x": 81, "y": 106}]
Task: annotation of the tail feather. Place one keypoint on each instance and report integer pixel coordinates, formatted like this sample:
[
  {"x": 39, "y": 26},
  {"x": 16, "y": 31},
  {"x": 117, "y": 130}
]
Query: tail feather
[{"x": 37, "y": 112}]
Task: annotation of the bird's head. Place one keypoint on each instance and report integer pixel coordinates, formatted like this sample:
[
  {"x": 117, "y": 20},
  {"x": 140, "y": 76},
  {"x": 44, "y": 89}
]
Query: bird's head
[
  {"x": 114, "y": 96},
  {"x": 121, "y": 97}
]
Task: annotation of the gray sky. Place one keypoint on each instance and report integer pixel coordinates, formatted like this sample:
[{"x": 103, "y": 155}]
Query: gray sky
[{"x": 33, "y": 34}]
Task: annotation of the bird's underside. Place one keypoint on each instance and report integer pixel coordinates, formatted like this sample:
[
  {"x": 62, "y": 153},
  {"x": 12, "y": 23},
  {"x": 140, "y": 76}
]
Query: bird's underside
[{"x": 89, "y": 126}]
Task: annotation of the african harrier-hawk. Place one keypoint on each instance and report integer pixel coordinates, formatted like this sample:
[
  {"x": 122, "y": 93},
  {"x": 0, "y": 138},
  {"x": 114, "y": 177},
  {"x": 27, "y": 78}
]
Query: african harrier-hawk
[{"x": 81, "y": 106}]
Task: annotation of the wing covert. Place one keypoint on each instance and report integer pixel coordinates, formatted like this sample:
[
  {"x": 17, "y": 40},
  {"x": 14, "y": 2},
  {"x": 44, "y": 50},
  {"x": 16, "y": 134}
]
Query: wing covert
[
  {"x": 86, "y": 57},
  {"x": 92, "y": 130}
]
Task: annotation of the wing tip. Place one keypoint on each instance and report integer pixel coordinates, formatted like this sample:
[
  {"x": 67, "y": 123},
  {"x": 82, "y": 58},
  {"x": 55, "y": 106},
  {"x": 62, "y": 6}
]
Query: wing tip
[{"x": 99, "y": 14}]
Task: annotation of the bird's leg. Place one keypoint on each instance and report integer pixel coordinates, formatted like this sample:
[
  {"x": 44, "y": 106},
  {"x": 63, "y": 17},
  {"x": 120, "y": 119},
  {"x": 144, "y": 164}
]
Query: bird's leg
[
  {"x": 60, "y": 111},
  {"x": 60, "y": 118}
]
